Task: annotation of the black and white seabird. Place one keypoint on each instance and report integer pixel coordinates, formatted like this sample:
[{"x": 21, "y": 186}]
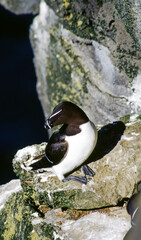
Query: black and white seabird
[
  {"x": 71, "y": 145},
  {"x": 134, "y": 209}
]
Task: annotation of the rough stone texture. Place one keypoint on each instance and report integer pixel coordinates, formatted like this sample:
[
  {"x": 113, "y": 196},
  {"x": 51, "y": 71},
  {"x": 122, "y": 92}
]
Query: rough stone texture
[
  {"x": 97, "y": 226},
  {"x": 117, "y": 167},
  {"x": 87, "y": 52},
  {"x": 21, "y": 7},
  {"x": 21, "y": 219},
  {"x": 112, "y": 24},
  {"x": 16, "y": 221},
  {"x": 13, "y": 218},
  {"x": 7, "y": 189},
  {"x": 84, "y": 53}
]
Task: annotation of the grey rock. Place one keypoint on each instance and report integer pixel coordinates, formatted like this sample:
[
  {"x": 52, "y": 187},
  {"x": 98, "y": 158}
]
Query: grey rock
[
  {"x": 21, "y": 221},
  {"x": 6, "y": 190},
  {"x": 88, "y": 53},
  {"x": 112, "y": 225},
  {"x": 21, "y": 7},
  {"x": 117, "y": 173},
  {"x": 132, "y": 20},
  {"x": 75, "y": 64}
]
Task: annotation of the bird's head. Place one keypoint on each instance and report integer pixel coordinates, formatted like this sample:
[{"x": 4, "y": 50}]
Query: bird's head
[{"x": 66, "y": 113}]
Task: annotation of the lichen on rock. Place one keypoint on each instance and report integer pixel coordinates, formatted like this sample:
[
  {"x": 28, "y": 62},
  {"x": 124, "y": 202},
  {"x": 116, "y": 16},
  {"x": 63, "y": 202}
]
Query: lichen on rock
[
  {"x": 117, "y": 172},
  {"x": 15, "y": 218},
  {"x": 87, "y": 52},
  {"x": 45, "y": 206},
  {"x": 95, "y": 71}
]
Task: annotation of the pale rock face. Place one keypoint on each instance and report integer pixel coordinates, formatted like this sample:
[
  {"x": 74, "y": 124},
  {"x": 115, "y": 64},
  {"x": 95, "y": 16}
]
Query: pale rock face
[
  {"x": 88, "y": 53},
  {"x": 6, "y": 191},
  {"x": 21, "y": 7},
  {"x": 135, "y": 98},
  {"x": 93, "y": 81},
  {"x": 85, "y": 71},
  {"x": 97, "y": 226},
  {"x": 111, "y": 223}
]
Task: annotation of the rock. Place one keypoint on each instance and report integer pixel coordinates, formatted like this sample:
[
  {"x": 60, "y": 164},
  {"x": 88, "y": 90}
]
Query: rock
[
  {"x": 84, "y": 53},
  {"x": 15, "y": 218},
  {"x": 88, "y": 53},
  {"x": 19, "y": 220},
  {"x": 110, "y": 224},
  {"x": 97, "y": 226},
  {"x": 21, "y": 7},
  {"x": 8, "y": 189},
  {"x": 116, "y": 164}
]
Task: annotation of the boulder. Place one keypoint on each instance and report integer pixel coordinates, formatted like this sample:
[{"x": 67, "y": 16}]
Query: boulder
[
  {"x": 21, "y": 7},
  {"x": 115, "y": 161},
  {"x": 7, "y": 190},
  {"x": 85, "y": 53},
  {"x": 111, "y": 225},
  {"x": 21, "y": 220}
]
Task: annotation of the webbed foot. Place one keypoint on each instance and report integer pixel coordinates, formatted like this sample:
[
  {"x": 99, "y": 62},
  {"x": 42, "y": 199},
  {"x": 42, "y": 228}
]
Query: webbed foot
[
  {"x": 82, "y": 179},
  {"x": 87, "y": 170}
]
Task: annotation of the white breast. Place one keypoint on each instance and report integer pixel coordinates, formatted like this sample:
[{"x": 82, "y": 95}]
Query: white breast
[{"x": 80, "y": 147}]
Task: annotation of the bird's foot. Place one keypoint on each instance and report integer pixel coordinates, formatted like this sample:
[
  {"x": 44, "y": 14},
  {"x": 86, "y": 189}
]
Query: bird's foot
[
  {"x": 82, "y": 179},
  {"x": 87, "y": 170}
]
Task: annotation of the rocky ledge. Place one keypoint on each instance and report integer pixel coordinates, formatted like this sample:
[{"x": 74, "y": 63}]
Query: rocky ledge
[
  {"x": 46, "y": 208},
  {"x": 21, "y": 221},
  {"x": 116, "y": 165}
]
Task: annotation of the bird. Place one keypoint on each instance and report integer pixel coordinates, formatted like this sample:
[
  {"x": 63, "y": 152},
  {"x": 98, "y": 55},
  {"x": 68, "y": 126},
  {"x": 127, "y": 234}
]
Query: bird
[
  {"x": 134, "y": 210},
  {"x": 70, "y": 146}
]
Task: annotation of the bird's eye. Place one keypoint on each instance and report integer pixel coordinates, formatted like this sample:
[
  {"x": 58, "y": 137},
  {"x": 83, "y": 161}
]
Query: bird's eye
[{"x": 51, "y": 124}]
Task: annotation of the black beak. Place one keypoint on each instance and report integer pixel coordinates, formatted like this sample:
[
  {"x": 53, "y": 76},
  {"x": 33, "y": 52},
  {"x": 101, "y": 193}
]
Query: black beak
[
  {"x": 47, "y": 124},
  {"x": 53, "y": 119}
]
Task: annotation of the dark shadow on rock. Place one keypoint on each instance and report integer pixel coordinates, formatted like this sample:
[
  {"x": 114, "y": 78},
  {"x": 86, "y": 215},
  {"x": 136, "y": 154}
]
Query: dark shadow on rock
[{"x": 108, "y": 137}]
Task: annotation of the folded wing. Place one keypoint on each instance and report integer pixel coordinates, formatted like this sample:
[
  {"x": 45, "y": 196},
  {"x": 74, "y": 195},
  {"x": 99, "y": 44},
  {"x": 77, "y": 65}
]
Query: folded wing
[{"x": 56, "y": 148}]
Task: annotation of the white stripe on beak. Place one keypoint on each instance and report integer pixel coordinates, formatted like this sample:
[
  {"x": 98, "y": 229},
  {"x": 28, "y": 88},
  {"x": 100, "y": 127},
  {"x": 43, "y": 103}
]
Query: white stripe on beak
[
  {"x": 55, "y": 113},
  {"x": 48, "y": 124}
]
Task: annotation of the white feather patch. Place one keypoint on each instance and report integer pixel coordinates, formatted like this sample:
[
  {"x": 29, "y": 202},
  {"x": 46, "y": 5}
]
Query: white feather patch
[{"x": 80, "y": 147}]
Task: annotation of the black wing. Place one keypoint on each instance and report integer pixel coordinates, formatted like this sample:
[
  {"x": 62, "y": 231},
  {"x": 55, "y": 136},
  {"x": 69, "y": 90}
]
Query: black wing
[{"x": 56, "y": 148}]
